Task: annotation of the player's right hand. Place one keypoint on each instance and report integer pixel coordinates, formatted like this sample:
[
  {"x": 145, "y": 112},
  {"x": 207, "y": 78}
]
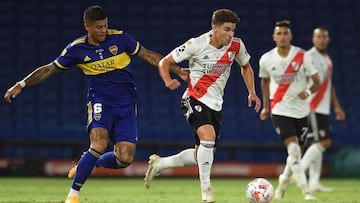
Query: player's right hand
[
  {"x": 264, "y": 114},
  {"x": 172, "y": 84},
  {"x": 12, "y": 92}
]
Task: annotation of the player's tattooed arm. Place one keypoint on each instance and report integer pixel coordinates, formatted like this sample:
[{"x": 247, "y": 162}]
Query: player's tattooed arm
[
  {"x": 40, "y": 74},
  {"x": 153, "y": 58}
]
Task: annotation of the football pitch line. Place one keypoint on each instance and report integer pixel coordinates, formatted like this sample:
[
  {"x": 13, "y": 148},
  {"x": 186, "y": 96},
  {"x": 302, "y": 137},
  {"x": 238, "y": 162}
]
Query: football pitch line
[{"x": 163, "y": 190}]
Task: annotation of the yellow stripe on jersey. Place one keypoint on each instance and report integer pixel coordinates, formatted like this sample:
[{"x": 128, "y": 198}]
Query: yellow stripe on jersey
[
  {"x": 59, "y": 65},
  {"x": 113, "y": 31},
  {"x": 119, "y": 61},
  {"x": 136, "y": 49},
  {"x": 78, "y": 41}
]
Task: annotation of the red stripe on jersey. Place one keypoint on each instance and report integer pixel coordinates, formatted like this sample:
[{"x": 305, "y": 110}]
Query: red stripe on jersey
[
  {"x": 282, "y": 88},
  {"x": 202, "y": 85},
  {"x": 319, "y": 95}
]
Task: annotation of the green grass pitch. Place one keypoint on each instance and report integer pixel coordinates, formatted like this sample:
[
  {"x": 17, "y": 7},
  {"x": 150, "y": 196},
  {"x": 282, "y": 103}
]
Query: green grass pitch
[{"x": 163, "y": 190}]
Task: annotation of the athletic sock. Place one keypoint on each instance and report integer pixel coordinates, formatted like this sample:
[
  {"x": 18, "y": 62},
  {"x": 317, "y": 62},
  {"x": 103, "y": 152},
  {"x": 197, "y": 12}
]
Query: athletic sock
[
  {"x": 184, "y": 158},
  {"x": 109, "y": 160},
  {"x": 84, "y": 168},
  {"x": 316, "y": 166},
  {"x": 205, "y": 159},
  {"x": 312, "y": 154},
  {"x": 294, "y": 155}
]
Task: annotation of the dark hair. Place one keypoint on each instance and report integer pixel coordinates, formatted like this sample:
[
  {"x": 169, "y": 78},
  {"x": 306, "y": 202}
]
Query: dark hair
[
  {"x": 283, "y": 23},
  {"x": 222, "y": 16},
  {"x": 94, "y": 13}
]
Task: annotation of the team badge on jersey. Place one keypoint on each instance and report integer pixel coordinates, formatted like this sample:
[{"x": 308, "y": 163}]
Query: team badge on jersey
[
  {"x": 231, "y": 55},
  {"x": 198, "y": 108},
  {"x": 295, "y": 65},
  {"x": 113, "y": 49},
  {"x": 97, "y": 116}
]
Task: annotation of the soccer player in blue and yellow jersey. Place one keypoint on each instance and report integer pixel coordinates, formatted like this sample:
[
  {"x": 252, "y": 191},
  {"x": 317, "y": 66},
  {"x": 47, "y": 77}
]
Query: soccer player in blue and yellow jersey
[{"x": 104, "y": 55}]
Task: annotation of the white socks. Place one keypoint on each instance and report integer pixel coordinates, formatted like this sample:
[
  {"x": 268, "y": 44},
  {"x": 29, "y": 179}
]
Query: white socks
[
  {"x": 293, "y": 162},
  {"x": 312, "y": 160},
  {"x": 205, "y": 157},
  {"x": 184, "y": 158}
]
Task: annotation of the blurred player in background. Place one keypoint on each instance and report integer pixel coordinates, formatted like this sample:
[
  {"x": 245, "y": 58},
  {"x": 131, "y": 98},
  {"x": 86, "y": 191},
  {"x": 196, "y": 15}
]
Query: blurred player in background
[
  {"x": 104, "y": 55},
  {"x": 284, "y": 73},
  {"x": 210, "y": 58},
  {"x": 320, "y": 103}
]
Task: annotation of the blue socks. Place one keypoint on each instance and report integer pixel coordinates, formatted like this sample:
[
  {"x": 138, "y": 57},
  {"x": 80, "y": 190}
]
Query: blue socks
[
  {"x": 84, "y": 168},
  {"x": 109, "y": 160}
]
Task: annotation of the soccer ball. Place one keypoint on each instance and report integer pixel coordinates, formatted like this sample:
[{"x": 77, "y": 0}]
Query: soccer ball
[{"x": 259, "y": 190}]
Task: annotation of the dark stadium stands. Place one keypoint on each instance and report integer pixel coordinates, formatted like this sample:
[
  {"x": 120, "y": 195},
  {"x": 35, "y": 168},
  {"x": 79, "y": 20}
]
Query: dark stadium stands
[{"x": 34, "y": 33}]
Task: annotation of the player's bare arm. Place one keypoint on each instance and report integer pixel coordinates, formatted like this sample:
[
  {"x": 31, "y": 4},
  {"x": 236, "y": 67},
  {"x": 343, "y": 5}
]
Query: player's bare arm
[
  {"x": 339, "y": 112},
  {"x": 37, "y": 76},
  {"x": 164, "y": 71},
  {"x": 265, "y": 90},
  {"x": 314, "y": 87},
  {"x": 248, "y": 76},
  {"x": 154, "y": 58}
]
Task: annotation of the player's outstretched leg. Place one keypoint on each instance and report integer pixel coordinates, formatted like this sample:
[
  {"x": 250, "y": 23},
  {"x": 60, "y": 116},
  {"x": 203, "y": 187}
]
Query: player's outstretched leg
[{"x": 153, "y": 169}]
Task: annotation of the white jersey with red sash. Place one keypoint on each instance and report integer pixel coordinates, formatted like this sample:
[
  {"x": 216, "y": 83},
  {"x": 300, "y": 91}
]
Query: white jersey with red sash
[
  {"x": 288, "y": 77},
  {"x": 209, "y": 67},
  {"x": 320, "y": 101}
]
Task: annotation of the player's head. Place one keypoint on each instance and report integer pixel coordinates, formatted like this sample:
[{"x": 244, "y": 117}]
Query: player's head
[
  {"x": 282, "y": 34},
  {"x": 223, "y": 25},
  {"x": 96, "y": 23},
  {"x": 321, "y": 39}
]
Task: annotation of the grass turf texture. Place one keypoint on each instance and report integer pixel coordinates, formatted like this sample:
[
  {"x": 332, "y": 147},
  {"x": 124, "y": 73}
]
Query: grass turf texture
[{"x": 108, "y": 190}]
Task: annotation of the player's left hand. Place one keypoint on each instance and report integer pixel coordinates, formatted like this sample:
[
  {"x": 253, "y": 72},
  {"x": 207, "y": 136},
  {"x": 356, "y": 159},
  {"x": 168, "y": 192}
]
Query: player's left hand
[
  {"x": 12, "y": 92},
  {"x": 303, "y": 95},
  {"x": 254, "y": 98},
  {"x": 339, "y": 114}
]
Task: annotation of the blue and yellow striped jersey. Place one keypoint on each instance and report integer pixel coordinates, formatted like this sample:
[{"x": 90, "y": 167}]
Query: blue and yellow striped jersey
[{"x": 107, "y": 67}]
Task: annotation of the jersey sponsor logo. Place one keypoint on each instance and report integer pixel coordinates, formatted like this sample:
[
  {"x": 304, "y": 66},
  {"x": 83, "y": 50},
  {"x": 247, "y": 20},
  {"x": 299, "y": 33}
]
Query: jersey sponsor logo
[
  {"x": 113, "y": 49},
  {"x": 202, "y": 85}
]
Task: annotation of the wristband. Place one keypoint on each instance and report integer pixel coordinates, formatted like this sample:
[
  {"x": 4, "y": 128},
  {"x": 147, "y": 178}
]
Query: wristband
[
  {"x": 22, "y": 83},
  {"x": 308, "y": 92}
]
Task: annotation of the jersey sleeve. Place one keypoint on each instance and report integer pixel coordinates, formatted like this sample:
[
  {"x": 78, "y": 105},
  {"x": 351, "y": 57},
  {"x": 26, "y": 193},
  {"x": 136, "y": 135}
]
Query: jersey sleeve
[
  {"x": 65, "y": 59},
  {"x": 309, "y": 65},
  {"x": 243, "y": 57},
  {"x": 184, "y": 51},
  {"x": 132, "y": 46},
  {"x": 263, "y": 73}
]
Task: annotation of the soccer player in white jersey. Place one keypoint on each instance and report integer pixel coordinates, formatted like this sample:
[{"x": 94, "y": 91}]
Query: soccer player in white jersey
[
  {"x": 210, "y": 58},
  {"x": 284, "y": 72},
  {"x": 320, "y": 103}
]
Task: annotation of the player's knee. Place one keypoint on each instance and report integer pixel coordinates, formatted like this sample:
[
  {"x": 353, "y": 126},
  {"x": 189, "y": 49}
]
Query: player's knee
[{"x": 122, "y": 164}]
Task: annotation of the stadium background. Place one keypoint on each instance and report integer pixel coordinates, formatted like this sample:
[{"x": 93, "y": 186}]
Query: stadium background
[{"x": 47, "y": 121}]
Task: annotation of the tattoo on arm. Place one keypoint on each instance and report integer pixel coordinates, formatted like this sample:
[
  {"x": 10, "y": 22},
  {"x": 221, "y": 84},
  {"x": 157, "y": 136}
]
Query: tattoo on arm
[{"x": 40, "y": 74}]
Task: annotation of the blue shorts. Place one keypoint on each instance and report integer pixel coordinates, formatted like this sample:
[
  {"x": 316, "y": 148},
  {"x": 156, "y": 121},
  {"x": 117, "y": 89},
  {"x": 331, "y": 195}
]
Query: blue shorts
[{"x": 119, "y": 121}]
